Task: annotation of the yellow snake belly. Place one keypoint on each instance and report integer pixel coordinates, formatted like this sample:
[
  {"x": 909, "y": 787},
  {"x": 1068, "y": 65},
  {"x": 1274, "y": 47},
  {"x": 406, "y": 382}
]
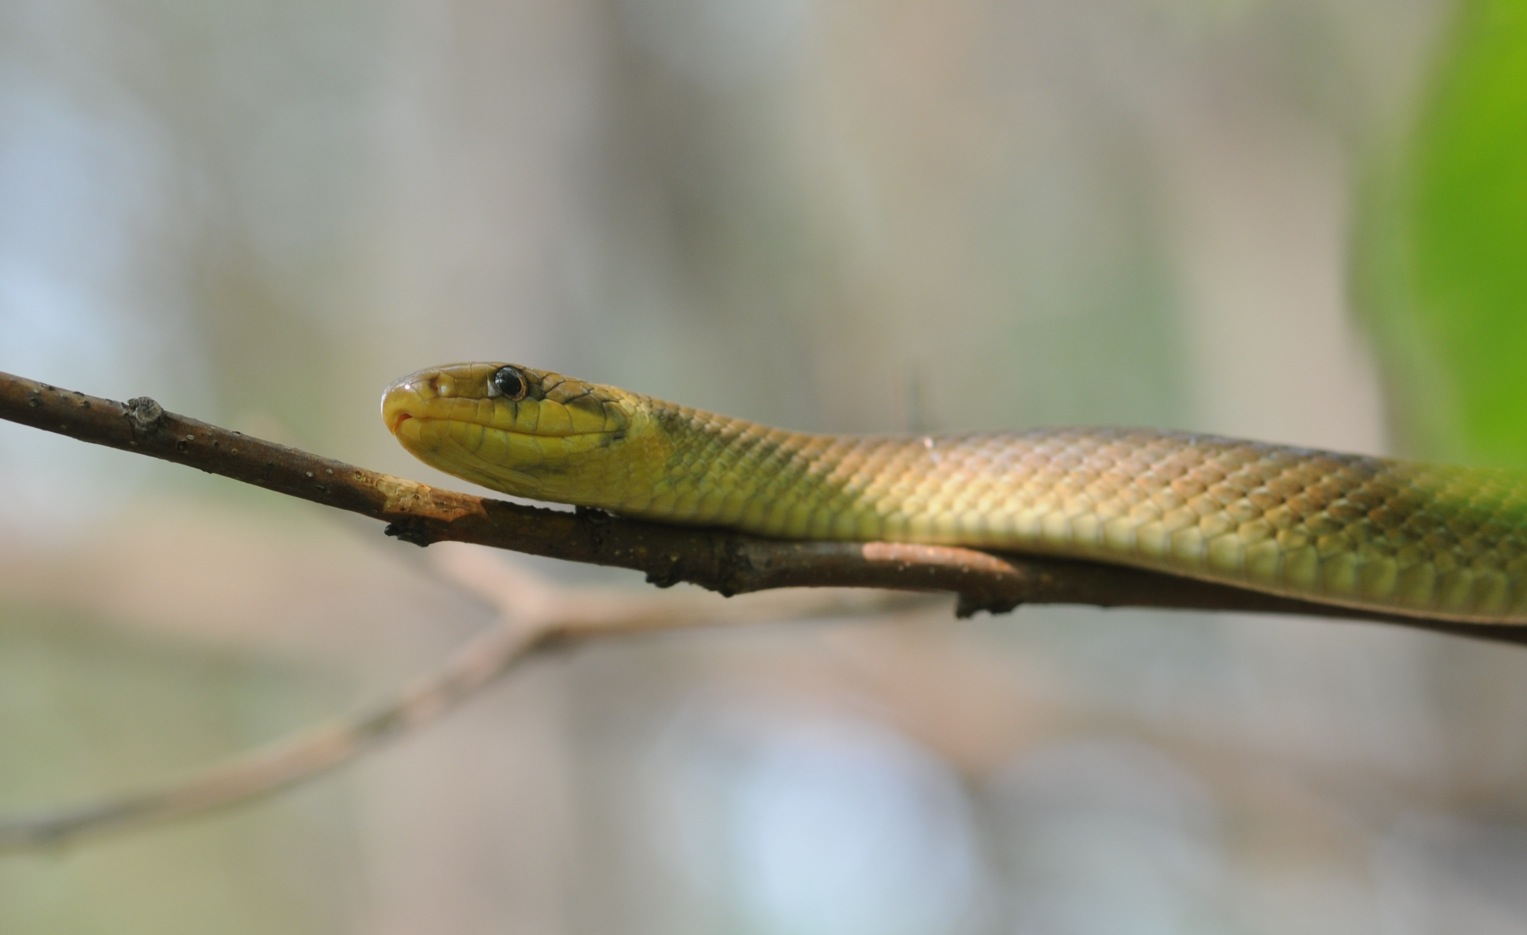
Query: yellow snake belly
[{"x": 1434, "y": 541}]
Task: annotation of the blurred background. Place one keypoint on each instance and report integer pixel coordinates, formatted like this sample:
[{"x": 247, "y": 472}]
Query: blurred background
[{"x": 1298, "y": 221}]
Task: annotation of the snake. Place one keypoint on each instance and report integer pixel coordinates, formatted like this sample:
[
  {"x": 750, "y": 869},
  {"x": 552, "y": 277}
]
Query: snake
[{"x": 1430, "y": 541}]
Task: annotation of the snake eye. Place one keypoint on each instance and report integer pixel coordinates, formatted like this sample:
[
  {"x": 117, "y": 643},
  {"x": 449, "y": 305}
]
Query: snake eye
[{"x": 509, "y": 383}]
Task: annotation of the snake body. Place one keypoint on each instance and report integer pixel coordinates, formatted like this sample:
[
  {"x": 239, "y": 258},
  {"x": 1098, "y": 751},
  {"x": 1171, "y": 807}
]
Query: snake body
[{"x": 1431, "y": 541}]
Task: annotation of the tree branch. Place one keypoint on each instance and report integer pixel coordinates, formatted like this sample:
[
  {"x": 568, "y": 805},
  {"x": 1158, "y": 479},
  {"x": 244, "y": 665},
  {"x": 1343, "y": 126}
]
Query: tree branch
[
  {"x": 292, "y": 759},
  {"x": 727, "y": 562}
]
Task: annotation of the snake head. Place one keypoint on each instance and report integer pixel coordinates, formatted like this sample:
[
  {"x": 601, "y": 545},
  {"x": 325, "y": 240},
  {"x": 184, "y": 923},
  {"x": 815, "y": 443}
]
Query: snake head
[{"x": 527, "y": 432}]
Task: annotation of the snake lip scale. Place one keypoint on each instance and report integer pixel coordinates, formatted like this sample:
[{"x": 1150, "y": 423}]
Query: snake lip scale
[{"x": 1430, "y": 541}]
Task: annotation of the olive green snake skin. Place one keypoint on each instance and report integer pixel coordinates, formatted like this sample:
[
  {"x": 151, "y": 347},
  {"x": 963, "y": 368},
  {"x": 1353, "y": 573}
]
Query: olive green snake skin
[{"x": 1429, "y": 541}]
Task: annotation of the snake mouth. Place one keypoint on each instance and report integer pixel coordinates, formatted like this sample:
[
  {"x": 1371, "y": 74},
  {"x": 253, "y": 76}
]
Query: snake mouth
[
  {"x": 397, "y": 408},
  {"x": 396, "y": 416},
  {"x": 515, "y": 432}
]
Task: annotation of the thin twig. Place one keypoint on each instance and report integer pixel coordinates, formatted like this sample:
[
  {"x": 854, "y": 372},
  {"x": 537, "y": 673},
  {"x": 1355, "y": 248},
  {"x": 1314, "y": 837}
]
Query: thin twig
[
  {"x": 292, "y": 759},
  {"x": 535, "y": 617}
]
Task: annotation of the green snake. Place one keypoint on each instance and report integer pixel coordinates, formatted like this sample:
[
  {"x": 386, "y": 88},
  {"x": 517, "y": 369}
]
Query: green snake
[{"x": 1430, "y": 541}]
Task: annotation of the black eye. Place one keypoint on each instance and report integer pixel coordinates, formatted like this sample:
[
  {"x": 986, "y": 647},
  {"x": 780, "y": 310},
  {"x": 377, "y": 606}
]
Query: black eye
[{"x": 509, "y": 383}]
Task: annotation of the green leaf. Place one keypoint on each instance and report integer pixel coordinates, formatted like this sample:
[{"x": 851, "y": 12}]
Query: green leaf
[{"x": 1443, "y": 252}]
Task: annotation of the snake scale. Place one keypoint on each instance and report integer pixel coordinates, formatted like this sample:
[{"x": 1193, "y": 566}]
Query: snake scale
[{"x": 1431, "y": 541}]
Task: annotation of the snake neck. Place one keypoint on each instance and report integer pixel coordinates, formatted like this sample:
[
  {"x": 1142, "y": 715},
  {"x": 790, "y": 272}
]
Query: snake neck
[
  {"x": 717, "y": 470},
  {"x": 720, "y": 471}
]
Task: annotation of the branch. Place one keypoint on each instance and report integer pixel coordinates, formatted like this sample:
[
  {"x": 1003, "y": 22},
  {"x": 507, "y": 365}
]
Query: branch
[
  {"x": 727, "y": 562},
  {"x": 292, "y": 759},
  {"x": 535, "y": 617}
]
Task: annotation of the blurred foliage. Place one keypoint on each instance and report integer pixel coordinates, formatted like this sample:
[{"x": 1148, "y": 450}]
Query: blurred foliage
[{"x": 1443, "y": 249}]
